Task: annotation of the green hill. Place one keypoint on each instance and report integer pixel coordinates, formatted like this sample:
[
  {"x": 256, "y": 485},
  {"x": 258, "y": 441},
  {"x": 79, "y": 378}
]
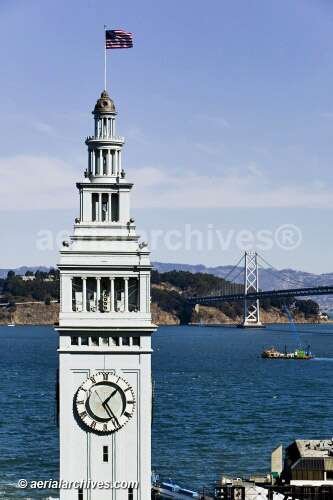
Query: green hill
[{"x": 169, "y": 292}]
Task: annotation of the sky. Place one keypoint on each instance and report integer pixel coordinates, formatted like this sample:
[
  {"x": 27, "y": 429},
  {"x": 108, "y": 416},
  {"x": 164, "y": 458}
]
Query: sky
[{"x": 227, "y": 111}]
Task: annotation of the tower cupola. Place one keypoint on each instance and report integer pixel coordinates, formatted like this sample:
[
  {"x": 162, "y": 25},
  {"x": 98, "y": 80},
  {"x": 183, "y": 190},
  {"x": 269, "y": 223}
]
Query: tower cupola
[
  {"x": 104, "y": 147},
  {"x": 104, "y": 105}
]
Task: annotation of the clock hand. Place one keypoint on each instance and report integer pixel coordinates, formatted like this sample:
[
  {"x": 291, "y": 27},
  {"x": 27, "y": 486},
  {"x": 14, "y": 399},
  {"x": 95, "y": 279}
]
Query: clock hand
[
  {"x": 112, "y": 414},
  {"x": 107, "y": 407},
  {"x": 107, "y": 399},
  {"x": 99, "y": 396}
]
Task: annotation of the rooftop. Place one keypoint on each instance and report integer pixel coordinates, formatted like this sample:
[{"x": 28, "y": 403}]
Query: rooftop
[{"x": 315, "y": 448}]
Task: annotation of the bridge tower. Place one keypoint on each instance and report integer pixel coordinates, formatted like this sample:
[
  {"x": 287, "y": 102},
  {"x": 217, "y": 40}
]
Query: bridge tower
[{"x": 251, "y": 285}]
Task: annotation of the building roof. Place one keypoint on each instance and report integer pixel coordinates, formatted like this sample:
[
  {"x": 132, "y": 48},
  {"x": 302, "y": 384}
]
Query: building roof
[{"x": 315, "y": 448}]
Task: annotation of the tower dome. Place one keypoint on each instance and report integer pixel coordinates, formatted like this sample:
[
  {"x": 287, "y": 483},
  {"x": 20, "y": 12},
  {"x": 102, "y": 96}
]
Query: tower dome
[{"x": 104, "y": 104}]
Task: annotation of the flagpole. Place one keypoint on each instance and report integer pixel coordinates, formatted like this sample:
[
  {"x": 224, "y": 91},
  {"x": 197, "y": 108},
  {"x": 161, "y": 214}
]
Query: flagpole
[{"x": 104, "y": 57}]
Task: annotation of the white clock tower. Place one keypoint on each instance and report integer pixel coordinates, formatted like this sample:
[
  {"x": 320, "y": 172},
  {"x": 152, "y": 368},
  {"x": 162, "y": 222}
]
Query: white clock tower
[{"x": 105, "y": 327}]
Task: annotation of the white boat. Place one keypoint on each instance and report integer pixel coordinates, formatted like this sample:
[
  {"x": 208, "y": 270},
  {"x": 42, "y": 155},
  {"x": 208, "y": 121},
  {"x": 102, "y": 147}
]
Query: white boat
[
  {"x": 11, "y": 322},
  {"x": 173, "y": 491}
]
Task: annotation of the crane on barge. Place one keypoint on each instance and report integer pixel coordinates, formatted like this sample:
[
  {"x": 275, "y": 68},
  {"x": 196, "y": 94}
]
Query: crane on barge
[{"x": 300, "y": 353}]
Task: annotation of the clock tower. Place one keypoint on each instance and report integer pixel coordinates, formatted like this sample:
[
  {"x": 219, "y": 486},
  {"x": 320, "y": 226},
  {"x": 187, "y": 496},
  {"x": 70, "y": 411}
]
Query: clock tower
[{"x": 105, "y": 327}]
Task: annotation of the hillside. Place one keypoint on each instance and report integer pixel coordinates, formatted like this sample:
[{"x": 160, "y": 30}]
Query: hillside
[
  {"x": 33, "y": 299},
  {"x": 23, "y": 269},
  {"x": 268, "y": 279},
  {"x": 170, "y": 289}
]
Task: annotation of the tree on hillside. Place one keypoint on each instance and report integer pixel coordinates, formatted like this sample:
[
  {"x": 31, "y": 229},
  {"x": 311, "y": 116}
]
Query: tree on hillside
[
  {"x": 308, "y": 307},
  {"x": 194, "y": 283},
  {"x": 40, "y": 275},
  {"x": 54, "y": 272},
  {"x": 155, "y": 277}
]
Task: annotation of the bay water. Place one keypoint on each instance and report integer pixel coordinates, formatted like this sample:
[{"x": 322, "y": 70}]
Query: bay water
[{"x": 219, "y": 407}]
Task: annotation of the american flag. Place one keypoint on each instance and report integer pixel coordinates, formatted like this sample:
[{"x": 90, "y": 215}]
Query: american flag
[{"x": 118, "y": 39}]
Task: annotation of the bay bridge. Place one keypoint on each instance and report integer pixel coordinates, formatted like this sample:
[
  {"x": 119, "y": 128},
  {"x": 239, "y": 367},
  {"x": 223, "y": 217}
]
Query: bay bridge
[{"x": 250, "y": 292}]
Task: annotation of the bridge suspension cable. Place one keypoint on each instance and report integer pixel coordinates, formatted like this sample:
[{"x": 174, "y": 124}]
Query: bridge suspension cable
[
  {"x": 228, "y": 274},
  {"x": 295, "y": 282},
  {"x": 241, "y": 271},
  {"x": 223, "y": 285},
  {"x": 280, "y": 277}
]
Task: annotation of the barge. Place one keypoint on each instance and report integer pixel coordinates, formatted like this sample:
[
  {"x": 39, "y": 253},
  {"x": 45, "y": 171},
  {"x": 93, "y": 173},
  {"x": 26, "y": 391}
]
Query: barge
[{"x": 298, "y": 354}]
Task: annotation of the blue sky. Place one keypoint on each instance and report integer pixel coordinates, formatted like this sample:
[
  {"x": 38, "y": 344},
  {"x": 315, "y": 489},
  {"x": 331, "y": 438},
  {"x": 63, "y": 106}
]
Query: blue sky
[{"x": 227, "y": 111}]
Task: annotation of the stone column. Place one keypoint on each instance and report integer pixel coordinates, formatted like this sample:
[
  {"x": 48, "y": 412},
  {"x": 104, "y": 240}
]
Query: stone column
[
  {"x": 93, "y": 161},
  {"x": 144, "y": 293},
  {"x": 109, "y": 207},
  {"x": 84, "y": 294},
  {"x": 116, "y": 163},
  {"x": 119, "y": 161},
  {"x": 108, "y": 164},
  {"x": 89, "y": 161},
  {"x": 71, "y": 294},
  {"x": 138, "y": 293},
  {"x": 99, "y": 218},
  {"x": 111, "y": 294},
  {"x": 126, "y": 295},
  {"x": 100, "y": 169},
  {"x": 98, "y": 293}
]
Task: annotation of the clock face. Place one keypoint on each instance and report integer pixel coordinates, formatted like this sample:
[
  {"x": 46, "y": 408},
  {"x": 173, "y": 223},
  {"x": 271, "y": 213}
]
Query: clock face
[{"x": 105, "y": 402}]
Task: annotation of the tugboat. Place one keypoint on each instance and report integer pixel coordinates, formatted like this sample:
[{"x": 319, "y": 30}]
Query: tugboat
[{"x": 299, "y": 353}]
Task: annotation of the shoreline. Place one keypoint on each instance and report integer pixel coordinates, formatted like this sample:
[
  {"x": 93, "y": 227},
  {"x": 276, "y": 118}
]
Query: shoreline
[
  {"x": 329, "y": 322},
  {"x": 40, "y": 314}
]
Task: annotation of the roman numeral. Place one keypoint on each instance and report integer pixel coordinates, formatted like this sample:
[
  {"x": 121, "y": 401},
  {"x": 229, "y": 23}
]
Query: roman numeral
[
  {"x": 80, "y": 402},
  {"x": 93, "y": 425},
  {"x": 93, "y": 379},
  {"x": 105, "y": 428},
  {"x": 105, "y": 376},
  {"x": 83, "y": 414}
]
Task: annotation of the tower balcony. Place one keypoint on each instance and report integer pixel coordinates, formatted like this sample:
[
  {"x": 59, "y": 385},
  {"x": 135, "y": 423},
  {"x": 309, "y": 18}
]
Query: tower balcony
[
  {"x": 117, "y": 139},
  {"x": 109, "y": 320}
]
